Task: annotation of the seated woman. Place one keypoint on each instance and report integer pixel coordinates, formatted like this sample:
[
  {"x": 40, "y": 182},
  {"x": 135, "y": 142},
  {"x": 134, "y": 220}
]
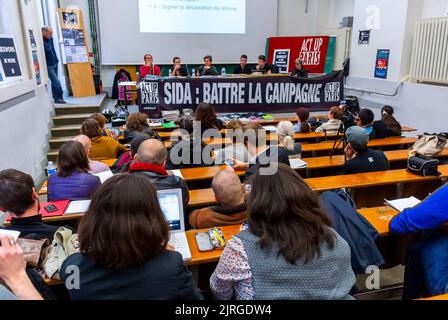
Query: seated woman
[
  {"x": 303, "y": 125},
  {"x": 102, "y": 122},
  {"x": 388, "y": 126},
  {"x": 334, "y": 121},
  {"x": 102, "y": 147},
  {"x": 124, "y": 252},
  {"x": 73, "y": 180},
  {"x": 149, "y": 68},
  {"x": 286, "y": 139},
  {"x": 136, "y": 123},
  {"x": 188, "y": 151},
  {"x": 237, "y": 150},
  {"x": 288, "y": 233},
  {"x": 206, "y": 115}
]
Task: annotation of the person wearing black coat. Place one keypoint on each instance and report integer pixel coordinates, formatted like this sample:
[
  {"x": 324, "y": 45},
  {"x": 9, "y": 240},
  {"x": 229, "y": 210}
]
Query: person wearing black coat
[{"x": 120, "y": 76}]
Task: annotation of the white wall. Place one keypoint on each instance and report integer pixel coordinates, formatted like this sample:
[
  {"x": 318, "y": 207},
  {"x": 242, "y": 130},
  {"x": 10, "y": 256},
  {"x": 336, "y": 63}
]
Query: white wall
[
  {"x": 26, "y": 118},
  {"x": 435, "y": 8}
]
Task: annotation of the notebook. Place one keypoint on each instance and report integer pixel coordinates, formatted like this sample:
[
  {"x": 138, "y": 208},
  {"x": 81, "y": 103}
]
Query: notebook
[
  {"x": 60, "y": 205},
  {"x": 403, "y": 204},
  {"x": 104, "y": 176},
  {"x": 80, "y": 206},
  {"x": 172, "y": 206},
  {"x": 297, "y": 164}
]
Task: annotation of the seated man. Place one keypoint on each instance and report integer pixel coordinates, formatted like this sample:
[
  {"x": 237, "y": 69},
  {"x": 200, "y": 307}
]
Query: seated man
[
  {"x": 150, "y": 161},
  {"x": 18, "y": 196},
  {"x": 178, "y": 69},
  {"x": 427, "y": 260},
  {"x": 360, "y": 158},
  {"x": 207, "y": 69},
  {"x": 264, "y": 67},
  {"x": 299, "y": 70},
  {"x": 95, "y": 166},
  {"x": 265, "y": 155},
  {"x": 242, "y": 68},
  {"x": 365, "y": 120},
  {"x": 231, "y": 208}
]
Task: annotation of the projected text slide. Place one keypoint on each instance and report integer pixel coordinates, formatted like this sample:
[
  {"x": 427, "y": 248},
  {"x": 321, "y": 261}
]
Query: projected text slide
[{"x": 193, "y": 16}]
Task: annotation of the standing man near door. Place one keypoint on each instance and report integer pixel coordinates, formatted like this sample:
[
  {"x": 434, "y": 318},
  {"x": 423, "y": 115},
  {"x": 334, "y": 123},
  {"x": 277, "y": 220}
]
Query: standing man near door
[{"x": 52, "y": 64}]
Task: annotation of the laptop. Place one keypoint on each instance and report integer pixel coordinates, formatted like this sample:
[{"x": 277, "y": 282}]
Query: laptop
[{"x": 172, "y": 206}]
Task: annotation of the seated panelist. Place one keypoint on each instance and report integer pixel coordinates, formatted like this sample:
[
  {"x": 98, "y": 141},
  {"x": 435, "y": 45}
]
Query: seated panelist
[{"x": 149, "y": 68}]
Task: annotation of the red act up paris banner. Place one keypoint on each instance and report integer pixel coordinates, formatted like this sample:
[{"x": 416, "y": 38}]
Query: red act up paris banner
[{"x": 312, "y": 50}]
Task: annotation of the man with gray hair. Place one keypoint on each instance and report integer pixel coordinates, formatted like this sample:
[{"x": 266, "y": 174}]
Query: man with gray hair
[
  {"x": 95, "y": 166},
  {"x": 299, "y": 70},
  {"x": 52, "y": 65},
  {"x": 231, "y": 208},
  {"x": 150, "y": 161}
]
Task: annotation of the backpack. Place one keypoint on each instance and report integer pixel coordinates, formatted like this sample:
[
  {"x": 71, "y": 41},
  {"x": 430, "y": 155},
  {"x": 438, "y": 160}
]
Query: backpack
[
  {"x": 64, "y": 244},
  {"x": 430, "y": 145}
]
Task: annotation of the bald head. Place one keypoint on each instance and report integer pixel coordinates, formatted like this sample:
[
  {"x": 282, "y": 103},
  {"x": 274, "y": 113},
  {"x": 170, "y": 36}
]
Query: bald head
[
  {"x": 152, "y": 152},
  {"x": 228, "y": 189},
  {"x": 85, "y": 141}
]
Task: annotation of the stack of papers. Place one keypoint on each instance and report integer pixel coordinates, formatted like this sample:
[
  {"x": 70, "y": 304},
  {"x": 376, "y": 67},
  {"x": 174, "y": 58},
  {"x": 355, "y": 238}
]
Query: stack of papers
[
  {"x": 403, "y": 204},
  {"x": 298, "y": 164},
  {"x": 78, "y": 207}
]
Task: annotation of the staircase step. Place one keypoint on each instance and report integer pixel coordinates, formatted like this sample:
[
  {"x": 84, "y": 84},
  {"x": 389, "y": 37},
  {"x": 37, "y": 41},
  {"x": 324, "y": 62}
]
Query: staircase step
[
  {"x": 65, "y": 131},
  {"x": 62, "y": 109},
  {"x": 71, "y": 119},
  {"x": 56, "y": 143},
  {"x": 52, "y": 155}
]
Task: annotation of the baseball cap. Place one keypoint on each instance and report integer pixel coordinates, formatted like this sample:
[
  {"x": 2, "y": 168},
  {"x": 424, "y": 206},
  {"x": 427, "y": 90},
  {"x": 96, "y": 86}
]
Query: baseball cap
[{"x": 358, "y": 136}]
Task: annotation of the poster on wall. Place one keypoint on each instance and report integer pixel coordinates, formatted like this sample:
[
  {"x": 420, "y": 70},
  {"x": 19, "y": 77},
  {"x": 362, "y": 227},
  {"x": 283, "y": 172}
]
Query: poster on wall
[
  {"x": 35, "y": 57},
  {"x": 382, "y": 63},
  {"x": 281, "y": 60},
  {"x": 74, "y": 46},
  {"x": 364, "y": 37},
  {"x": 9, "y": 58}
]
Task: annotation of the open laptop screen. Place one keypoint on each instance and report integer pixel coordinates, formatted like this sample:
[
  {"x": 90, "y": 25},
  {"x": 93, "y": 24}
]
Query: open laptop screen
[{"x": 171, "y": 204}]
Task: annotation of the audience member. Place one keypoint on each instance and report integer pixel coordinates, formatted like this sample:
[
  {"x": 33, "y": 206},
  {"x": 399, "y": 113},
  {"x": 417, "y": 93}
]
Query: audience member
[
  {"x": 289, "y": 250},
  {"x": 206, "y": 115},
  {"x": 237, "y": 150},
  {"x": 365, "y": 120},
  {"x": 388, "y": 126},
  {"x": 334, "y": 122},
  {"x": 231, "y": 208},
  {"x": 123, "y": 239},
  {"x": 102, "y": 122},
  {"x": 427, "y": 260},
  {"x": 95, "y": 166},
  {"x": 360, "y": 158},
  {"x": 102, "y": 147},
  {"x": 286, "y": 139},
  {"x": 264, "y": 155},
  {"x": 207, "y": 69},
  {"x": 243, "y": 68},
  {"x": 150, "y": 162},
  {"x": 303, "y": 126},
  {"x": 13, "y": 274},
  {"x": 149, "y": 69},
  {"x": 136, "y": 123},
  {"x": 73, "y": 180},
  {"x": 18, "y": 196}
]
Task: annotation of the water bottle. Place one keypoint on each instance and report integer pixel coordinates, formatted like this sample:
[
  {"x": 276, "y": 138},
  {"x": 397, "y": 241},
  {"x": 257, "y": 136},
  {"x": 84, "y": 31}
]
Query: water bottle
[
  {"x": 170, "y": 74},
  {"x": 223, "y": 72},
  {"x": 193, "y": 73},
  {"x": 51, "y": 169}
]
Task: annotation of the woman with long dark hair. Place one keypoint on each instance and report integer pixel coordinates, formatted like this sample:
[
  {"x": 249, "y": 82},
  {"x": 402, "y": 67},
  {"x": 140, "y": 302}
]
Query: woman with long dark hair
[
  {"x": 289, "y": 250},
  {"x": 388, "y": 126},
  {"x": 303, "y": 126},
  {"x": 206, "y": 114}
]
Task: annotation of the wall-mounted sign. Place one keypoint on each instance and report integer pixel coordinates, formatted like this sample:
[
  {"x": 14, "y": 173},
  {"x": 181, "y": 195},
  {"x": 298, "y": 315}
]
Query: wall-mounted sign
[
  {"x": 364, "y": 37},
  {"x": 74, "y": 46},
  {"x": 8, "y": 57},
  {"x": 35, "y": 57},
  {"x": 281, "y": 60},
  {"x": 382, "y": 63}
]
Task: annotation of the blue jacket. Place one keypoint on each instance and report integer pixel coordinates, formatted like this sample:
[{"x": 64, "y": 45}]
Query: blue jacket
[
  {"x": 430, "y": 214},
  {"x": 50, "y": 53},
  {"x": 78, "y": 186}
]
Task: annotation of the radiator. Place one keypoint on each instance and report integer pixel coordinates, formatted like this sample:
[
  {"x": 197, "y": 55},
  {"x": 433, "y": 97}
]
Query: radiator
[{"x": 430, "y": 51}]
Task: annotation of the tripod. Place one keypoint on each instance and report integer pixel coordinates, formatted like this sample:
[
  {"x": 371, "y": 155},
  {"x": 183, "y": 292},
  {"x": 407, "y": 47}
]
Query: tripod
[{"x": 340, "y": 137}]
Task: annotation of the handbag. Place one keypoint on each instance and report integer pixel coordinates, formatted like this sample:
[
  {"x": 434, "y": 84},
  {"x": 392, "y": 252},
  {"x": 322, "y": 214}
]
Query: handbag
[
  {"x": 429, "y": 145},
  {"x": 424, "y": 166},
  {"x": 33, "y": 251}
]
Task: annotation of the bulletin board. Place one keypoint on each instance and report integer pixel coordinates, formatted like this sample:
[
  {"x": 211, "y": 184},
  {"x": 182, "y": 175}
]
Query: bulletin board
[{"x": 76, "y": 52}]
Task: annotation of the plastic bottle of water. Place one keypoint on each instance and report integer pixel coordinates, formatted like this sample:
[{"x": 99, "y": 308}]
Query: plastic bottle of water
[
  {"x": 51, "y": 169},
  {"x": 193, "y": 73},
  {"x": 223, "y": 71},
  {"x": 170, "y": 74}
]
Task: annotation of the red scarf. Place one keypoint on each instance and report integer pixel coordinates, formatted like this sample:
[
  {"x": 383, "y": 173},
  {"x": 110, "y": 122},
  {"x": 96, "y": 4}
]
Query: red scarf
[{"x": 142, "y": 166}]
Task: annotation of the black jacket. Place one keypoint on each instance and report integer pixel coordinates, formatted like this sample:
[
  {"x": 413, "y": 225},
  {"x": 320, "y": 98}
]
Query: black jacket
[
  {"x": 264, "y": 159},
  {"x": 195, "y": 151},
  {"x": 33, "y": 226},
  {"x": 300, "y": 73},
  {"x": 355, "y": 229},
  {"x": 121, "y": 73},
  {"x": 382, "y": 131},
  {"x": 239, "y": 70},
  {"x": 162, "y": 278}
]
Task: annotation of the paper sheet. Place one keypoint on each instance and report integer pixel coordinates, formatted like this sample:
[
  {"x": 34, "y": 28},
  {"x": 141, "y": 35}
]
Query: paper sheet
[
  {"x": 402, "y": 204},
  {"x": 177, "y": 173},
  {"x": 104, "y": 176},
  {"x": 9, "y": 233},
  {"x": 298, "y": 164},
  {"x": 78, "y": 207}
]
